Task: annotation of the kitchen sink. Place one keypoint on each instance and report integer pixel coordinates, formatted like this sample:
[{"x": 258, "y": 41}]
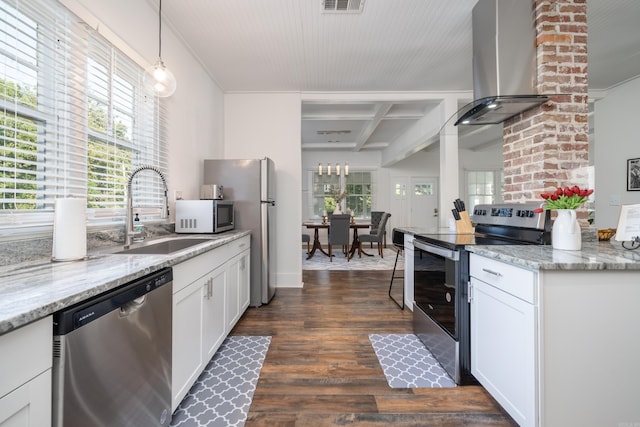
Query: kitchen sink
[{"x": 165, "y": 247}]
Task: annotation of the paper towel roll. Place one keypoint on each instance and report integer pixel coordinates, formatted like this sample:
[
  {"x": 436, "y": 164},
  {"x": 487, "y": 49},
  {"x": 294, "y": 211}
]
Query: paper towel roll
[{"x": 70, "y": 229}]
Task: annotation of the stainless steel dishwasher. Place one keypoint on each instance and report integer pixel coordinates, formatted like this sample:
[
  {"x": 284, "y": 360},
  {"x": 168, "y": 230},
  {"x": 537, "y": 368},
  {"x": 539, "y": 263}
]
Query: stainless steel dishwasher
[{"x": 112, "y": 357}]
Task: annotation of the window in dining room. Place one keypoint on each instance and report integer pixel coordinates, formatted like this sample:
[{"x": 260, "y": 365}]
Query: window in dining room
[
  {"x": 357, "y": 185},
  {"x": 322, "y": 198}
]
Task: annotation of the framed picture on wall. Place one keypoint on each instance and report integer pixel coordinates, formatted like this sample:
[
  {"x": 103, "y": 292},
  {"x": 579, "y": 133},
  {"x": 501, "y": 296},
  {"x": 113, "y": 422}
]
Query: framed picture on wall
[{"x": 633, "y": 175}]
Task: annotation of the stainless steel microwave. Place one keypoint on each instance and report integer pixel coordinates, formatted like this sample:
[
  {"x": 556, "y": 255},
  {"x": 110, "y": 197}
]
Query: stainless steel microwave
[{"x": 204, "y": 216}]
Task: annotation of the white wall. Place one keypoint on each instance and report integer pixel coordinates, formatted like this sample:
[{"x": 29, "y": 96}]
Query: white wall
[
  {"x": 195, "y": 111},
  {"x": 263, "y": 124},
  {"x": 616, "y": 140}
]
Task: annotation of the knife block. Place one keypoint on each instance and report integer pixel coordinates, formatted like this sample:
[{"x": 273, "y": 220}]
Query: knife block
[{"x": 464, "y": 226}]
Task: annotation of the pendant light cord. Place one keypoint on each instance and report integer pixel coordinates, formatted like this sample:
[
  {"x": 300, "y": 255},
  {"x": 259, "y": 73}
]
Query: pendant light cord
[{"x": 160, "y": 30}]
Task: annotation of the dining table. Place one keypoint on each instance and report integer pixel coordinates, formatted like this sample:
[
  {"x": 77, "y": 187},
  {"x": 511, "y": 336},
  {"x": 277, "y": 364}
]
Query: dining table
[{"x": 319, "y": 225}]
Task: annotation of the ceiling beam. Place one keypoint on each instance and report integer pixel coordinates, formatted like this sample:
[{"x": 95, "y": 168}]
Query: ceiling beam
[
  {"x": 423, "y": 133},
  {"x": 381, "y": 111}
]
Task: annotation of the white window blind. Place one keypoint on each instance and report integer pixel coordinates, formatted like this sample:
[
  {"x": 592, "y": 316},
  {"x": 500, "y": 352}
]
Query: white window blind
[{"x": 74, "y": 119}]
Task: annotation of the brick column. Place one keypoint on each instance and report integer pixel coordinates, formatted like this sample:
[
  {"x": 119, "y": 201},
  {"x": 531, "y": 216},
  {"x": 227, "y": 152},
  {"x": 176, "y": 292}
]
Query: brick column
[{"x": 548, "y": 146}]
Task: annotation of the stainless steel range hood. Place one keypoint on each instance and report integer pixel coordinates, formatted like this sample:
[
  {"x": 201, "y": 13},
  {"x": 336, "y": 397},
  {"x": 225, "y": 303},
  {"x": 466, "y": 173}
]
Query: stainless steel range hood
[{"x": 504, "y": 62}]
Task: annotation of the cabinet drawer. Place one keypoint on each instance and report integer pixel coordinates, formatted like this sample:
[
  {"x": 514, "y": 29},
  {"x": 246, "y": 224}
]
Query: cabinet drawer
[
  {"x": 239, "y": 245},
  {"x": 25, "y": 353},
  {"x": 192, "y": 269},
  {"x": 516, "y": 281}
]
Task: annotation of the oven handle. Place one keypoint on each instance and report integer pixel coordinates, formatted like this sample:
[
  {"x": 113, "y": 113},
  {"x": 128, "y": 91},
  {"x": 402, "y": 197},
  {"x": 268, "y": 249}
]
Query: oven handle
[{"x": 447, "y": 253}]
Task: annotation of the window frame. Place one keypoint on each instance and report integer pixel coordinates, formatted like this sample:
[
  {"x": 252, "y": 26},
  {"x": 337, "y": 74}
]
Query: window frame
[
  {"x": 497, "y": 183},
  {"x": 342, "y": 181},
  {"x": 147, "y": 116}
]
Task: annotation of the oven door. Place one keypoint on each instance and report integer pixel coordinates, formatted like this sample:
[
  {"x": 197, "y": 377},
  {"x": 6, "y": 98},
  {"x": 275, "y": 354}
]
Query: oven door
[
  {"x": 435, "y": 278},
  {"x": 441, "y": 310}
]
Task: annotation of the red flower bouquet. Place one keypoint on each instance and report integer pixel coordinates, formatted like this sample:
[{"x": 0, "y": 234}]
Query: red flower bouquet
[{"x": 565, "y": 198}]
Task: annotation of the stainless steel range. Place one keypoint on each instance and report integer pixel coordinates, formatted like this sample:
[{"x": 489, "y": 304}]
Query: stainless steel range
[{"x": 441, "y": 276}]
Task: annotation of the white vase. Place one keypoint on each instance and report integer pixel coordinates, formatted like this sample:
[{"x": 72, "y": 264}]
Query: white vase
[
  {"x": 566, "y": 233},
  {"x": 338, "y": 209}
]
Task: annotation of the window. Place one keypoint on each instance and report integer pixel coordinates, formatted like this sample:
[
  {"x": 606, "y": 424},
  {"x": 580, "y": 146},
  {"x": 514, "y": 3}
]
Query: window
[
  {"x": 323, "y": 201},
  {"x": 423, "y": 189},
  {"x": 482, "y": 187},
  {"x": 74, "y": 118},
  {"x": 359, "y": 194},
  {"x": 357, "y": 186}
]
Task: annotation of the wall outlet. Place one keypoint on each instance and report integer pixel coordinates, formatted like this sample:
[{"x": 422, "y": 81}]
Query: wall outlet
[
  {"x": 614, "y": 200},
  {"x": 177, "y": 195}
]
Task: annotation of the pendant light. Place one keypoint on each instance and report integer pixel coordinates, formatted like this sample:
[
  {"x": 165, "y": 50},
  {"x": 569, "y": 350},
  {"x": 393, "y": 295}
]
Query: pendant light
[{"x": 158, "y": 77}]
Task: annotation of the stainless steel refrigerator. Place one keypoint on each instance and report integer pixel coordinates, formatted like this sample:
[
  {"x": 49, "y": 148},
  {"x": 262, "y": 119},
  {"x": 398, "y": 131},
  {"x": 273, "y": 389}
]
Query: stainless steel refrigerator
[{"x": 250, "y": 184}]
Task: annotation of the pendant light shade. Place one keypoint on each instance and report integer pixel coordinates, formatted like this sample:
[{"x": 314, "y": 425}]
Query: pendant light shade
[{"x": 158, "y": 78}]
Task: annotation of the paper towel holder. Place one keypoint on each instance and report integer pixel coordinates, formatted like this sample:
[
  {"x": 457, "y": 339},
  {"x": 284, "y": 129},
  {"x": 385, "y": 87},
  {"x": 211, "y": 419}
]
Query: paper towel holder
[{"x": 69, "y": 242}]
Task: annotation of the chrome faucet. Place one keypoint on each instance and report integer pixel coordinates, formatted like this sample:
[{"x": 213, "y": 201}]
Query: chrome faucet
[{"x": 129, "y": 218}]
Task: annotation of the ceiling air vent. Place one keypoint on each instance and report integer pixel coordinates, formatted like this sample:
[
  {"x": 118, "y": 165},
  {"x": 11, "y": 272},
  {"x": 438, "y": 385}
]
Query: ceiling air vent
[
  {"x": 353, "y": 6},
  {"x": 333, "y": 132}
]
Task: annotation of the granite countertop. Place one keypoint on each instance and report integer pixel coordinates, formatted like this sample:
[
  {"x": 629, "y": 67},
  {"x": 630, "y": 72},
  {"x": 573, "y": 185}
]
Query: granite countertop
[
  {"x": 32, "y": 290},
  {"x": 592, "y": 256},
  {"x": 413, "y": 231}
]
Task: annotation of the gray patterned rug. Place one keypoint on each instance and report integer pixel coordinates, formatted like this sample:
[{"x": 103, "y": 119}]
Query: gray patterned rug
[
  {"x": 321, "y": 262},
  {"x": 407, "y": 363},
  {"x": 222, "y": 395}
]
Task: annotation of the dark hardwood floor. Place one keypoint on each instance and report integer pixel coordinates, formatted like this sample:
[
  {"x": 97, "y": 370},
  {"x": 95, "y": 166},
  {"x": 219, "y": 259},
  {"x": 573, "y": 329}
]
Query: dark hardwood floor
[{"x": 322, "y": 371}]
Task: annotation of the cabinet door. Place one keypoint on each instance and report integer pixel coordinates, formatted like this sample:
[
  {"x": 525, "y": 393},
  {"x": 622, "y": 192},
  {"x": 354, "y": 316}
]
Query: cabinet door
[
  {"x": 187, "y": 329},
  {"x": 214, "y": 312},
  {"x": 233, "y": 296},
  {"x": 244, "y": 278},
  {"x": 29, "y": 405},
  {"x": 503, "y": 349}
]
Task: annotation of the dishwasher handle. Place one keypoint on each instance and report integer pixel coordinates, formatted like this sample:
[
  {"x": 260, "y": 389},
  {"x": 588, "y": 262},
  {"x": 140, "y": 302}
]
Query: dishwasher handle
[
  {"x": 132, "y": 306},
  {"x": 76, "y": 316}
]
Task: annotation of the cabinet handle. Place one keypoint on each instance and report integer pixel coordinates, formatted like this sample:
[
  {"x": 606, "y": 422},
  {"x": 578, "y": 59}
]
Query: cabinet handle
[
  {"x": 495, "y": 273},
  {"x": 208, "y": 288}
]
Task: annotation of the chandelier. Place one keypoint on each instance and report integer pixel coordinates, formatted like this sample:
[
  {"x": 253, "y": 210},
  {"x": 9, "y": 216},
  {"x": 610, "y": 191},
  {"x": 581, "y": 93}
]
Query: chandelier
[{"x": 337, "y": 169}]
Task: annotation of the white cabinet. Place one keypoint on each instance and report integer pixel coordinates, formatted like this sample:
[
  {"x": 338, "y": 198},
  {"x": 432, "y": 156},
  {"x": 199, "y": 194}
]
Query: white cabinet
[
  {"x": 237, "y": 288},
  {"x": 210, "y": 294},
  {"x": 215, "y": 308},
  {"x": 25, "y": 373},
  {"x": 504, "y": 335},
  {"x": 187, "y": 345},
  {"x": 557, "y": 347}
]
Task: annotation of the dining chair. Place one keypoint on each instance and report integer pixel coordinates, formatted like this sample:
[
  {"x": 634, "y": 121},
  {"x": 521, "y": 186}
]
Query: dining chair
[
  {"x": 339, "y": 233},
  {"x": 306, "y": 239},
  {"x": 376, "y": 217},
  {"x": 375, "y": 238}
]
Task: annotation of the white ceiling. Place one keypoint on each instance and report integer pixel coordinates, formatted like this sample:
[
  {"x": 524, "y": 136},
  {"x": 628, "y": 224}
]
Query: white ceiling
[{"x": 392, "y": 49}]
